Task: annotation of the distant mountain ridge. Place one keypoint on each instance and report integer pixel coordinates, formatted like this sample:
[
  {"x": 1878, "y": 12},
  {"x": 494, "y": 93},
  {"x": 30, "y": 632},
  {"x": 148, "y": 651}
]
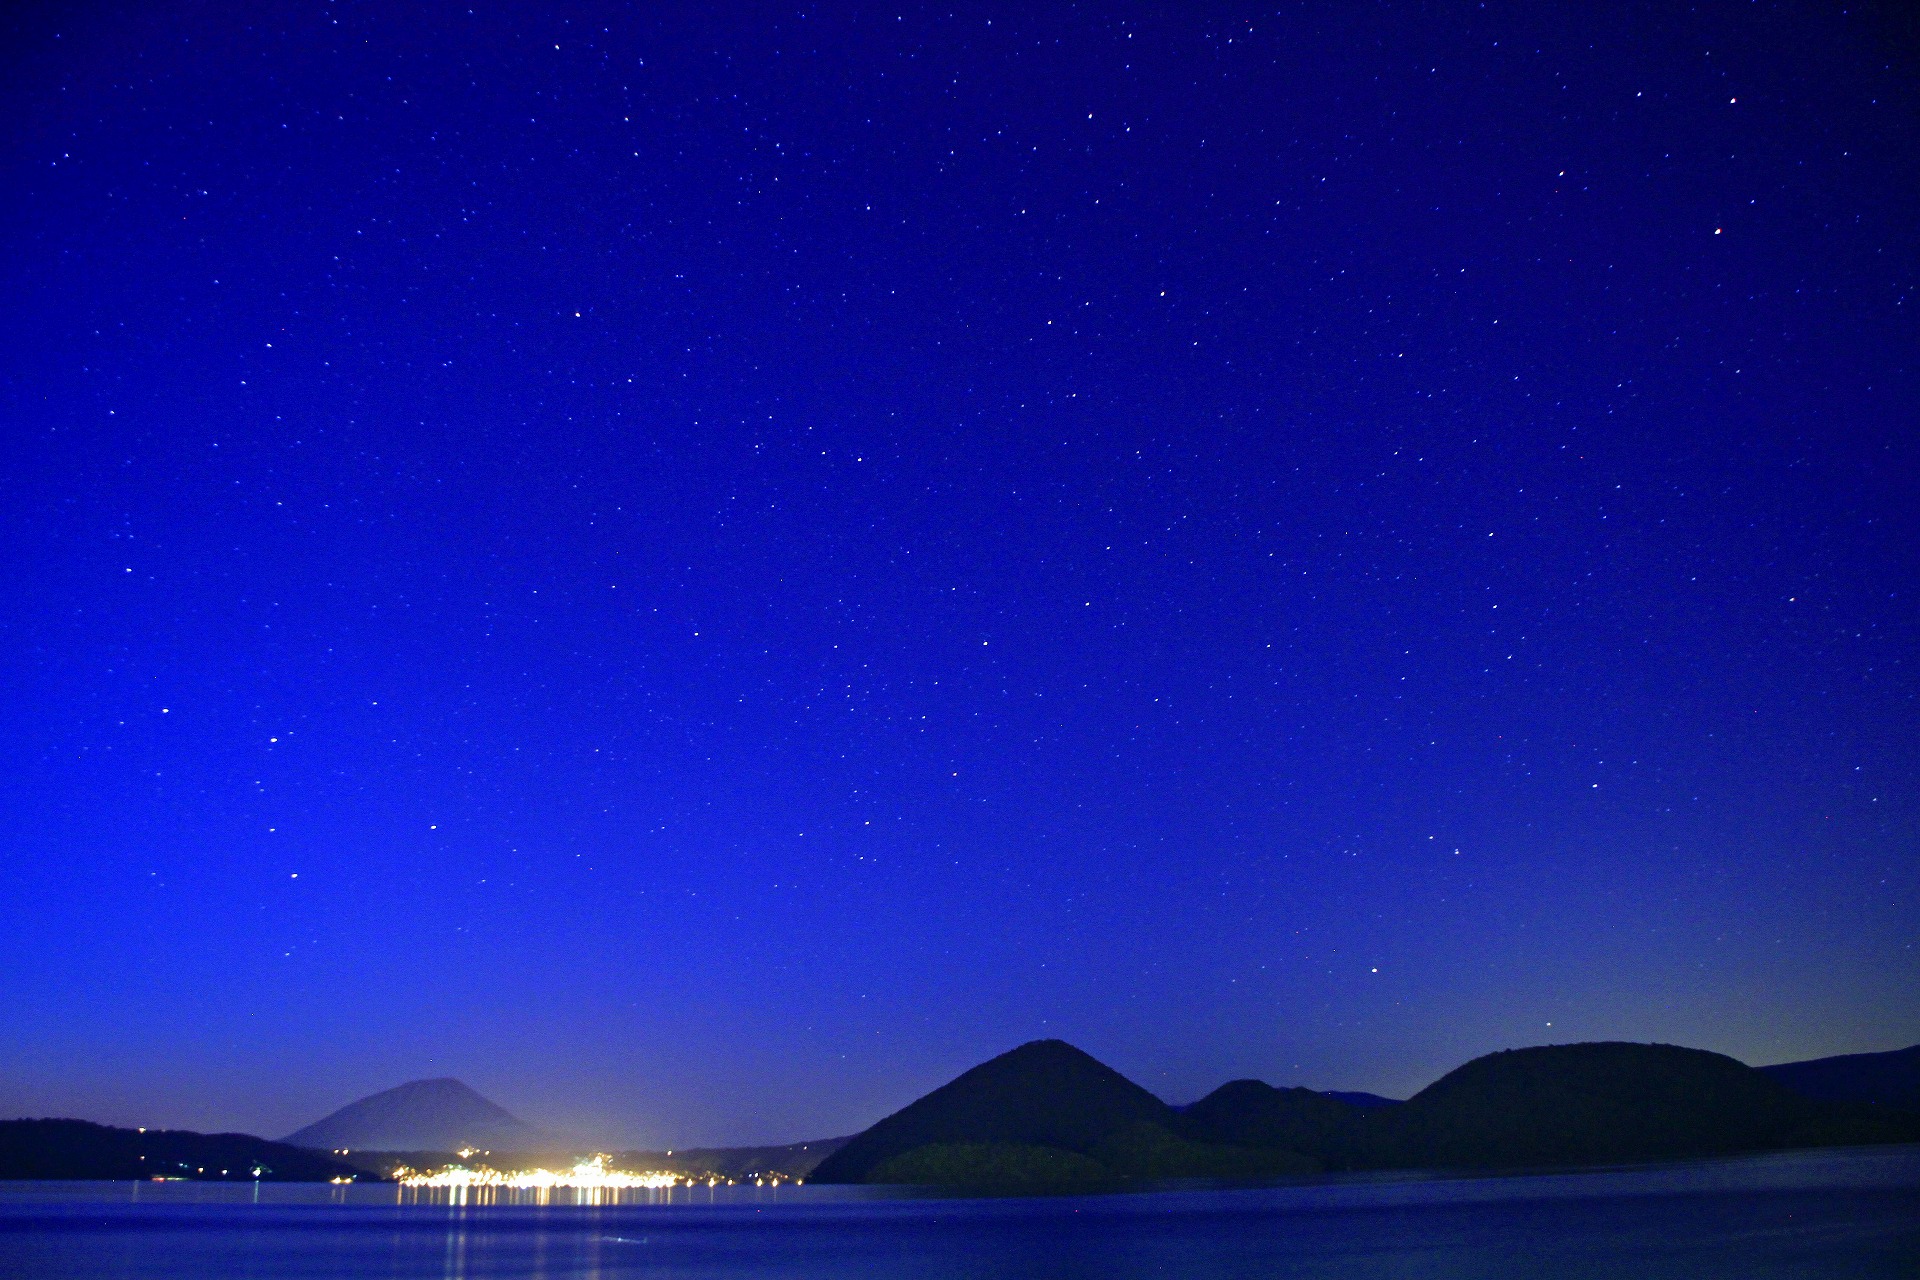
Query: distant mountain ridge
[
  {"x": 70, "y": 1149},
  {"x": 1889, "y": 1079},
  {"x": 1255, "y": 1114},
  {"x": 1040, "y": 1115},
  {"x": 1360, "y": 1098},
  {"x": 1047, "y": 1116},
  {"x": 1604, "y": 1103},
  {"x": 422, "y": 1115}
]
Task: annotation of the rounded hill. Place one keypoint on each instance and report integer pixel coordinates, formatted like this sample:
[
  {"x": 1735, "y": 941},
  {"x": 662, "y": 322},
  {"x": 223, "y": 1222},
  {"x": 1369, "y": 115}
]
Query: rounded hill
[
  {"x": 1594, "y": 1103},
  {"x": 1046, "y": 1093}
]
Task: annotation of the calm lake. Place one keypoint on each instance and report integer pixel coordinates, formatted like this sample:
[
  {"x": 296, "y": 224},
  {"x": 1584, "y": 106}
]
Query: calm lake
[{"x": 1853, "y": 1213}]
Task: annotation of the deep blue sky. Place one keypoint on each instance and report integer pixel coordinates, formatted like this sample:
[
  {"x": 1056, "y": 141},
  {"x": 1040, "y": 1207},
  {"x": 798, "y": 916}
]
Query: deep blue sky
[{"x": 705, "y": 567}]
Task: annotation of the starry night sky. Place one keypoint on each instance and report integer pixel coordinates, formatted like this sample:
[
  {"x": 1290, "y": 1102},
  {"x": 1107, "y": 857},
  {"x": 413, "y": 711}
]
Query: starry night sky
[{"x": 705, "y": 567}]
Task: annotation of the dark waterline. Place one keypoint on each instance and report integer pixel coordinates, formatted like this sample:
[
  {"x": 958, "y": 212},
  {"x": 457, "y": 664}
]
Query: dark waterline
[{"x": 1833, "y": 1213}]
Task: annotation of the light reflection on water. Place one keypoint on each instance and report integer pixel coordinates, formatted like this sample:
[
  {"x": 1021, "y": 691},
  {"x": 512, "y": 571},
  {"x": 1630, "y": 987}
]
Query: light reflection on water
[
  {"x": 576, "y": 1253},
  {"x": 1846, "y": 1213},
  {"x": 489, "y": 1196}
]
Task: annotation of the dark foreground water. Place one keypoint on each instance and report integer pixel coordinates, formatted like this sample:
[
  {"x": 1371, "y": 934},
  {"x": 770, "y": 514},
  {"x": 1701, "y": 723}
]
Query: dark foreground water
[{"x": 1833, "y": 1213}]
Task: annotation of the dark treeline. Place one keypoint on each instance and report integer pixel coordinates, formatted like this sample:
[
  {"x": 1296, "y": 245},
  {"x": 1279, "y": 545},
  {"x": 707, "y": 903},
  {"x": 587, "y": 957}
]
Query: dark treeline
[{"x": 70, "y": 1149}]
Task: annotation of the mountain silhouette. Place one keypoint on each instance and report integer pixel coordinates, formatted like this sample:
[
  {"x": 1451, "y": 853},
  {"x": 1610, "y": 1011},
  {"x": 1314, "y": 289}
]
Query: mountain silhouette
[
  {"x": 98, "y": 1152},
  {"x": 1255, "y": 1114},
  {"x": 1047, "y": 1114},
  {"x": 1604, "y": 1103},
  {"x": 423, "y": 1115},
  {"x": 1045, "y": 1093},
  {"x": 1882, "y": 1079},
  {"x": 1043, "y": 1115}
]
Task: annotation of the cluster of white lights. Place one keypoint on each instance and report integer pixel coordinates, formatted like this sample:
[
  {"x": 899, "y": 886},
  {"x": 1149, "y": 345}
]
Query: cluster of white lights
[{"x": 591, "y": 1175}]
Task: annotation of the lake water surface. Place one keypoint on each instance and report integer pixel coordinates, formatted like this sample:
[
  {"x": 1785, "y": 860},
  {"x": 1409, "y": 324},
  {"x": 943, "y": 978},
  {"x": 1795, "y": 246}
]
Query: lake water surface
[{"x": 1852, "y": 1213}]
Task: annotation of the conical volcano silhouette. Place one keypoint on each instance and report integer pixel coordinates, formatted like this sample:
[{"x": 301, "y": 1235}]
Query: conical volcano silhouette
[{"x": 424, "y": 1115}]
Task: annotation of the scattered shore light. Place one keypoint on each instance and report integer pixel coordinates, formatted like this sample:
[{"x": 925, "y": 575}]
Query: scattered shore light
[{"x": 591, "y": 1175}]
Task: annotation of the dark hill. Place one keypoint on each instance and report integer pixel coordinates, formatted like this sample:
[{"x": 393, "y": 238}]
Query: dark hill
[
  {"x": 1881, "y": 1079},
  {"x": 424, "y": 1115},
  {"x": 1251, "y": 1113},
  {"x": 1047, "y": 1113},
  {"x": 1044, "y": 1114},
  {"x": 1043, "y": 1094},
  {"x": 1604, "y": 1103},
  {"x": 80, "y": 1149}
]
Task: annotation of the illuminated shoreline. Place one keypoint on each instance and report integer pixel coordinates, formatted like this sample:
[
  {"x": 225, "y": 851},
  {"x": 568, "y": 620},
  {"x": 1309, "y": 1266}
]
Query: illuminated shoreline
[{"x": 589, "y": 1175}]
